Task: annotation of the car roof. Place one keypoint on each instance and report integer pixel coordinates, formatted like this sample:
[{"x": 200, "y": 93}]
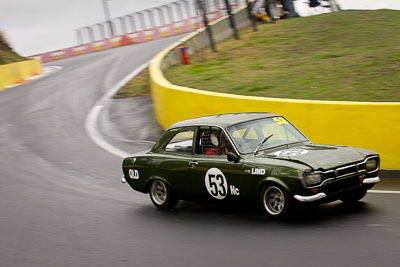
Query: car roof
[{"x": 224, "y": 120}]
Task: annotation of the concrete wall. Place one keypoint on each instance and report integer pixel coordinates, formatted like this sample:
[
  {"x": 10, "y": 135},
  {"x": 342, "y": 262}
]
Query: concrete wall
[{"x": 19, "y": 71}]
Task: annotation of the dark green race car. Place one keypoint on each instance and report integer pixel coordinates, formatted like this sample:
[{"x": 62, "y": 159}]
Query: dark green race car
[{"x": 253, "y": 157}]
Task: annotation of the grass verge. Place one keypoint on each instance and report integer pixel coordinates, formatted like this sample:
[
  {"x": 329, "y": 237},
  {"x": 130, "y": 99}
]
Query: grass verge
[
  {"x": 139, "y": 85},
  {"x": 347, "y": 55}
]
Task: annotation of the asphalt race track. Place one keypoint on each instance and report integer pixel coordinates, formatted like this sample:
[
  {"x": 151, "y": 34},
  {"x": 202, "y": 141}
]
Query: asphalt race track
[{"x": 62, "y": 202}]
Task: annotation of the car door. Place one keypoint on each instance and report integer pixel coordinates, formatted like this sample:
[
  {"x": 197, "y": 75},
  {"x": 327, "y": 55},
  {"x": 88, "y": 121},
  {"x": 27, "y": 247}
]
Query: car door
[
  {"x": 174, "y": 161},
  {"x": 214, "y": 177}
]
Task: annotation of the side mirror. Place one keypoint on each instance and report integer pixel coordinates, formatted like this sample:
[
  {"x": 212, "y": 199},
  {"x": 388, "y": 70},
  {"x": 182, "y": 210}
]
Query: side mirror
[{"x": 232, "y": 157}]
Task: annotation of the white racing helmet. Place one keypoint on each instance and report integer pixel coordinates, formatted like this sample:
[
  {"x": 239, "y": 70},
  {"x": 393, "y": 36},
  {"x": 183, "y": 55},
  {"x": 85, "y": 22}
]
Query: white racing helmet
[{"x": 214, "y": 139}]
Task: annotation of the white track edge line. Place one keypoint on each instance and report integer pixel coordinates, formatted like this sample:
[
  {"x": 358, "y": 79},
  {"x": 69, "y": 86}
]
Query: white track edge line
[
  {"x": 91, "y": 119},
  {"x": 384, "y": 191}
]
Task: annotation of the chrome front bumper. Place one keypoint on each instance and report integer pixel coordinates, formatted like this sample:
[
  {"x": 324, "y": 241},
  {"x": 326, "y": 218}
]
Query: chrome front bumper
[{"x": 310, "y": 198}]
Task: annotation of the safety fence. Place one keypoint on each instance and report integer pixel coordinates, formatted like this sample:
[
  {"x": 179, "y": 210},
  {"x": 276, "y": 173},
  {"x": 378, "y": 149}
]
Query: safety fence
[
  {"x": 172, "y": 19},
  {"x": 369, "y": 125},
  {"x": 17, "y": 72}
]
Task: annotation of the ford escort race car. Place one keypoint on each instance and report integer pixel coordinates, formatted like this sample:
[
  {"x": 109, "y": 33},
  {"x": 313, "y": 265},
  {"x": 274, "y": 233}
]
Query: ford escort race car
[{"x": 254, "y": 157}]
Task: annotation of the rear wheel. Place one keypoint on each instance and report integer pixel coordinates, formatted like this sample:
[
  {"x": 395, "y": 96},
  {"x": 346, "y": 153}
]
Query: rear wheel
[
  {"x": 275, "y": 201},
  {"x": 162, "y": 196},
  {"x": 354, "y": 196}
]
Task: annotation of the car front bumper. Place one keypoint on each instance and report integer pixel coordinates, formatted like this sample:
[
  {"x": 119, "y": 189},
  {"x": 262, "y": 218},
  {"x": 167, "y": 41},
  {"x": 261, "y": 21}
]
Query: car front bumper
[{"x": 312, "y": 198}]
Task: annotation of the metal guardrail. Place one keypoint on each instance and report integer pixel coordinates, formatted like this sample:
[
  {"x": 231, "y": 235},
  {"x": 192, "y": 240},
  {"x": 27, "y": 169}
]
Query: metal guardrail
[{"x": 159, "y": 22}]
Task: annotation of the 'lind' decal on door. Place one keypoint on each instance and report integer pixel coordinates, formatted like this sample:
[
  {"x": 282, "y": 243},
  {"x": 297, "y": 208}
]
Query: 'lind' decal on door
[{"x": 257, "y": 171}]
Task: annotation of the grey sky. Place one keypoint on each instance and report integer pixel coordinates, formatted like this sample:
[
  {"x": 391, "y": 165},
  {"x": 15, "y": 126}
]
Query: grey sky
[{"x": 37, "y": 26}]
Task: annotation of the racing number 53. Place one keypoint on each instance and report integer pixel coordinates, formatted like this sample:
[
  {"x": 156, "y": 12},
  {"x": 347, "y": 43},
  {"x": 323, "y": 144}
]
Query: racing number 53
[
  {"x": 216, "y": 183},
  {"x": 217, "y": 189}
]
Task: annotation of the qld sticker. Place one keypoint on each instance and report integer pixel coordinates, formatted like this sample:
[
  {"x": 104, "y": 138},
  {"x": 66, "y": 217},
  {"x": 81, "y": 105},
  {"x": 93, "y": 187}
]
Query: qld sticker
[
  {"x": 291, "y": 152},
  {"x": 133, "y": 174},
  {"x": 216, "y": 183}
]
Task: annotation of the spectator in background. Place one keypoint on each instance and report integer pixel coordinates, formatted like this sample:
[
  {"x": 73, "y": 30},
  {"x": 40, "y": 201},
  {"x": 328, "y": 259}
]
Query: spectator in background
[
  {"x": 262, "y": 10},
  {"x": 317, "y": 7},
  {"x": 289, "y": 8},
  {"x": 275, "y": 9},
  {"x": 314, "y": 3}
]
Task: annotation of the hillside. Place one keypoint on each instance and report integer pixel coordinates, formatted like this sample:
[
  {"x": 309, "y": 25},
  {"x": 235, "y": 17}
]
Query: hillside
[
  {"x": 7, "y": 55},
  {"x": 348, "y": 55}
]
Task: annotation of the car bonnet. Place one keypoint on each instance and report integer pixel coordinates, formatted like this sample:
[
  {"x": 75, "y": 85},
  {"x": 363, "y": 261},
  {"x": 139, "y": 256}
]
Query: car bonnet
[{"x": 318, "y": 157}]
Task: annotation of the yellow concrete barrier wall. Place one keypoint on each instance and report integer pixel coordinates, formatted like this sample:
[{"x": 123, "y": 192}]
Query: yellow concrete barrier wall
[
  {"x": 367, "y": 125},
  {"x": 19, "y": 71}
]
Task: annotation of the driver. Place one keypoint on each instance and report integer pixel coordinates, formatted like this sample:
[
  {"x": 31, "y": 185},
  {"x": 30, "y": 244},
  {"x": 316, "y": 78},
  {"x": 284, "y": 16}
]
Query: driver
[{"x": 213, "y": 149}]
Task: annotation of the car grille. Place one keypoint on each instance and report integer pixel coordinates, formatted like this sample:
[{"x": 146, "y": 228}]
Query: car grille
[
  {"x": 343, "y": 183},
  {"x": 343, "y": 171}
]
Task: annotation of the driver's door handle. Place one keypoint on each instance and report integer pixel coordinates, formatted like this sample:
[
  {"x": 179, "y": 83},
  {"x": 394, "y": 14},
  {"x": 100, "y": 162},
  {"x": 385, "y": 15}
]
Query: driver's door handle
[{"x": 193, "y": 163}]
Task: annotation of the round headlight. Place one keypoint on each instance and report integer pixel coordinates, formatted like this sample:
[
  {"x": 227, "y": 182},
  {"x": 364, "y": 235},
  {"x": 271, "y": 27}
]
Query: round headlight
[
  {"x": 312, "y": 179},
  {"x": 371, "y": 164}
]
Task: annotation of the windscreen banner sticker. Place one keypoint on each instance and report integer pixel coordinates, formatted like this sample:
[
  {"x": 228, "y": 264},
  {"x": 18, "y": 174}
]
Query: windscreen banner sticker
[
  {"x": 280, "y": 120},
  {"x": 291, "y": 152},
  {"x": 216, "y": 183}
]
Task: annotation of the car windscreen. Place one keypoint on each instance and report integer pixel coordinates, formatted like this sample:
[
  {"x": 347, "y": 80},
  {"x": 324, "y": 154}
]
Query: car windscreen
[{"x": 277, "y": 131}]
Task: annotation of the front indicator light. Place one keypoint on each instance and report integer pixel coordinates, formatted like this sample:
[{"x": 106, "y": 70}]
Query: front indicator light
[
  {"x": 312, "y": 179},
  {"x": 371, "y": 164}
]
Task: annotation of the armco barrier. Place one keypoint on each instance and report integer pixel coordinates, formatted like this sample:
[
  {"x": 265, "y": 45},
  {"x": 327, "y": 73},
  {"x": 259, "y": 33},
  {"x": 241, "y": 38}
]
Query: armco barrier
[
  {"x": 368, "y": 125},
  {"x": 186, "y": 24},
  {"x": 19, "y": 71},
  {"x": 155, "y": 33}
]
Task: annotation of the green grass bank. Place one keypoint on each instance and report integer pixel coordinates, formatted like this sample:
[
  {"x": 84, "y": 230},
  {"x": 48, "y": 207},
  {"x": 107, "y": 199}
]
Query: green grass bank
[
  {"x": 138, "y": 86},
  {"x": 347, "y": 55},
  {"x": 7, "y": 55}
]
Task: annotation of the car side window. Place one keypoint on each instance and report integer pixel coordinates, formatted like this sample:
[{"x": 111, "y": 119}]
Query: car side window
[
  {"x": 212, "y": 142},
  {"x": 182, "y": 142},
  {"x": 225, "y": 146},
  {"x": 208, "y": 141}
]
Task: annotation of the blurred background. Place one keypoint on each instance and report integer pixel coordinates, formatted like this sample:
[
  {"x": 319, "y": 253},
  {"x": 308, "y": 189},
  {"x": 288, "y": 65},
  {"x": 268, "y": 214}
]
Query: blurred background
[{"x": 34, "y": 27}]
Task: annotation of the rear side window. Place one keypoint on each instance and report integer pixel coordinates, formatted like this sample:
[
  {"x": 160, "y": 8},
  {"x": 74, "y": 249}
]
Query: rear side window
[{"x": 182, "y": 143}]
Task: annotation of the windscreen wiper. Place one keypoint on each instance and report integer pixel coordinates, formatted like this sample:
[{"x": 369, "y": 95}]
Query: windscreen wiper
[{"x": 263, "y": 141}]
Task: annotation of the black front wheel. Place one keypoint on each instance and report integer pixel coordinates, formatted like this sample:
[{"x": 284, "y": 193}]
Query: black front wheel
[
  {"x": 162, "y": 196},
  {"x": 275, "y": 201},
  {"x": 354, "y": 196}
]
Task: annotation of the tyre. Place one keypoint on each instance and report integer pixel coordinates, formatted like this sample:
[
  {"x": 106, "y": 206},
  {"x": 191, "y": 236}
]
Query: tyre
[
  {"x": 354, "y": 196},
  {"x": 275, "y": 201},
  {"x": 162, "y": 196}
]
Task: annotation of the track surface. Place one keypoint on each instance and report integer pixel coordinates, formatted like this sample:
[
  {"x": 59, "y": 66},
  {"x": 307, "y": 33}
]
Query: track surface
[{"x": 62, "y": 203}]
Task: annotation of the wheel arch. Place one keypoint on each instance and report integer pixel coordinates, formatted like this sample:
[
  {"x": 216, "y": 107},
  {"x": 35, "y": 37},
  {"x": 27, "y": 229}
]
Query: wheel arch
[
  {"x": 272, "y": 180},
  {"x": 155, "y": 177}
]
